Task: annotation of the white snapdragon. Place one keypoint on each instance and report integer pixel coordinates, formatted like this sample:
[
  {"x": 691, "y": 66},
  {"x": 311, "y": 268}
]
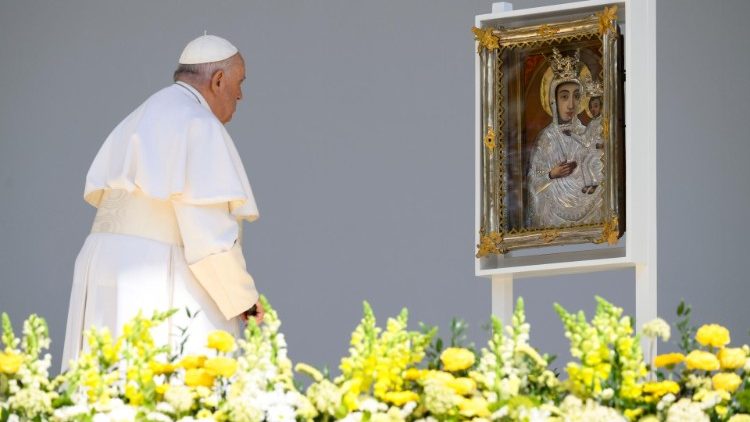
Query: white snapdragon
[
  {"x": 573, "y": 409},
  {"x": 686, "y": 411},
  {"x": 657, "y": 328},
  {"x": 180, "y": 398}
]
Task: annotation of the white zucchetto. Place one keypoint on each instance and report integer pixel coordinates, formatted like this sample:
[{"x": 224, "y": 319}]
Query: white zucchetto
[{"x": 207, "y": 49}]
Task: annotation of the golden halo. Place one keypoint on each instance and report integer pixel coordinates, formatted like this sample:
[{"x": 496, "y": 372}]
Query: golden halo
[{"x": 547, "y": 81}]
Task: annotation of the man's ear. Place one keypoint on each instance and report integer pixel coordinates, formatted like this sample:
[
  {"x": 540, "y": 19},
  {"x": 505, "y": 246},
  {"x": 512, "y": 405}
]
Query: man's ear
[{"x": 217, "y": 80}]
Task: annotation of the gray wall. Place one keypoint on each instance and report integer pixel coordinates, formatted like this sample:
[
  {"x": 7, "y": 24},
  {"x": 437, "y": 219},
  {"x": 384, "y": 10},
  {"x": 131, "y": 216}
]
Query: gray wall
[{"x": 357, "y": 134}]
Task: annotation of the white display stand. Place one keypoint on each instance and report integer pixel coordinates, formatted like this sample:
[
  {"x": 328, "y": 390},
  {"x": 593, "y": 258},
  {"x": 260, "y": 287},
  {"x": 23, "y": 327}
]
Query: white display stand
[{"x": 638, "y": 247}]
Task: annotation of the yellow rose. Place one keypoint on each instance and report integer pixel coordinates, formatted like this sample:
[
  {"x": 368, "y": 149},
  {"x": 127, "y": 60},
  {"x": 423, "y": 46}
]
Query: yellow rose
[
  {"x": 457, "y": 359},
  {"x": 221, "y": 366},
  {"x": 728, "y": 382},
  {"x": 660, "y": 388},
  {"x": 712, "y": 335},
  {"x": 668, "y": 359},
  {"x": 732, "y": 358},
  {"x": 703, "y": 361},
  {"x": 474, "y": 407},
  {"x": 462, "y": 386},
  {"x": 221, "y": 341},
  {"x": 198, "y": 378},
  {"x": 192, "y": 361},
  {"x": 10, "y": 362},
  {"x": 400, "y": 398}
]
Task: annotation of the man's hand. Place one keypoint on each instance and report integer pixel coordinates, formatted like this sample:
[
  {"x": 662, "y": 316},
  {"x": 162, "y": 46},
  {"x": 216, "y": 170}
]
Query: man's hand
[
  {"x": 563, "y": 169},
  {"x": 256, "y": 312}
]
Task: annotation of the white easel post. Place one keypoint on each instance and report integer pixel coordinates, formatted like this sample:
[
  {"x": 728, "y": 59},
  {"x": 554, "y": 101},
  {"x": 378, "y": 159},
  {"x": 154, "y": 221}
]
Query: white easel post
[
  {"x": 502, "y": 297},
  {"x": 640, "y": 58}
]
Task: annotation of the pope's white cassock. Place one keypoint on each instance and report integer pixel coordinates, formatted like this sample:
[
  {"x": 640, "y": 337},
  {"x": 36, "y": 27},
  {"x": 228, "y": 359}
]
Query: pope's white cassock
[{"x": 171, "y": 194}]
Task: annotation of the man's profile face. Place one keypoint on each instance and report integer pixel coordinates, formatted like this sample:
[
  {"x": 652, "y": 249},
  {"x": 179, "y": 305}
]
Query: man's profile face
[
  {"x": 230, "y": 90},
  {"x": 568, "y": 97}
]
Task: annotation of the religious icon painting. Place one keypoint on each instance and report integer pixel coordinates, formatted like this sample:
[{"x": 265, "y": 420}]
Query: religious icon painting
[{"x": 551, "y": 134}]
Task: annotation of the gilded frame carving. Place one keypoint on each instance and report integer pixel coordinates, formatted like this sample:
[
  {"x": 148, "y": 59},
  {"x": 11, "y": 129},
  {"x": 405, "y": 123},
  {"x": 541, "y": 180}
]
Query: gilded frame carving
[{"x": 497, "y": 45}]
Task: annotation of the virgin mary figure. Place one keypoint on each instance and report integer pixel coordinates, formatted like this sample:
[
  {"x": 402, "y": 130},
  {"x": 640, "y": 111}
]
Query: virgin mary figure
[{"x": 559, "y": 193}]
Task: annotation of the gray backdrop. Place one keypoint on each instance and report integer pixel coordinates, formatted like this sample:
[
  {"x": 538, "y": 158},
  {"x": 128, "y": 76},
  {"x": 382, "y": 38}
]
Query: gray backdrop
[{"x": 357, "y": 134}]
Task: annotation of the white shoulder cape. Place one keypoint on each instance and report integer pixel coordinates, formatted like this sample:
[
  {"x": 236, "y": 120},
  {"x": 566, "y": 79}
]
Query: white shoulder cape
[{"x": 172, "y": 147}]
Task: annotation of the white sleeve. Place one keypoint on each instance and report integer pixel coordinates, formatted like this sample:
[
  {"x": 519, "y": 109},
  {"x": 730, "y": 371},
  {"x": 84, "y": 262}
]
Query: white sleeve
[{"x": 210, "y": 234}]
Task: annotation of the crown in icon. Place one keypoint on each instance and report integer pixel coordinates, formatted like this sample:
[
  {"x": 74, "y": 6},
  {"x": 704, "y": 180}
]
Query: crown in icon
[
  {"x": 564, "y": 67},
  {"x": 593, "y": 88}
]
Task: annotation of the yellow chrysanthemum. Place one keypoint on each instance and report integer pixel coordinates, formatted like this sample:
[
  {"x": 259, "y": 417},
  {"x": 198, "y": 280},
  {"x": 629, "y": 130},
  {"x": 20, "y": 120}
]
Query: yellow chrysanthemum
[
  {"x": 732, "y": 358},
  {"x": 192, "y": 361},
  {"x": 457, "y": 359},
  {"x": 633, "y": 414},
  {"x": 400, "y": 398},
  {"x": 439, "y": 376},
  {"x": 161, "y": 368},
  {"x": 703, "y": 361},
  {"x": 10, "y": 362},
  {"x": 727, "y": 381},
  {"x": 474, "y": 407},
  {"x": 221, "y": 341},
  {"x": 198, "y": 377},
  {"x": 414, "y": 374},
  {"x": 462, "y": 386},
  {"x": 668, "y": 359},
  {"x": 221, "y": 366},
  {"x": 660, "y": 388},
  {"x": 712, "y": 335}
]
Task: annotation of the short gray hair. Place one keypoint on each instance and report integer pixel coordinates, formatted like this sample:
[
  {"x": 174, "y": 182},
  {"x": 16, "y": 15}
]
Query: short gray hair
[{"x": 201, "y": 71}]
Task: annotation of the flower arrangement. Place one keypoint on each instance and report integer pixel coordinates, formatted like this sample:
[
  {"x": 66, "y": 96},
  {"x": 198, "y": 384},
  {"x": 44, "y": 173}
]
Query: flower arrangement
[{"x": 390, "y": 374}]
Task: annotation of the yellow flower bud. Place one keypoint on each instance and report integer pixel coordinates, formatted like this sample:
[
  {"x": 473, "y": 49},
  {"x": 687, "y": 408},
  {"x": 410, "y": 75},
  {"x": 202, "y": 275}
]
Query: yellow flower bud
[
  {"x": 668, "y": 359},
  {"x": 198, "y": 377},
  {"x": 457, "y": 359},
  {"x": 732, "y": 358},
  {"x": 728, "y": 382},
  {"x": 10, "y": 362},
  {"x": 712, "y": 335},
  {"x": 221, "y": 341},
  {"x": 221, "y": 366},
  {"x": 703, "y": 361},
  {"x": 400, "y": 398}
]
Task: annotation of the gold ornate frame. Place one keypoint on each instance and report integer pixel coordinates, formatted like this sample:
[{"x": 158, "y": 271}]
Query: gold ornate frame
[{"x": 495, "y": 235}]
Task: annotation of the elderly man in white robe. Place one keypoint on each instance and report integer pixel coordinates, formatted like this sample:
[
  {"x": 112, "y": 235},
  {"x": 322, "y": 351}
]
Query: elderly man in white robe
[{"x": 171, "y": 193}]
